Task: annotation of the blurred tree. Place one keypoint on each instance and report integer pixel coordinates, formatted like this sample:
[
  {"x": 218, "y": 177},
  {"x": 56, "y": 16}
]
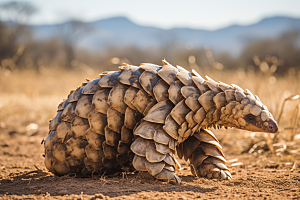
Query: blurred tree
[
  {"x": 70, "y": 32},
  {"x": 18, "y": 12},
  {"x": 14, "y": 33},
  {"x": 41, "y": 55},
  {"x": 168, "y": 45},
  {"x": 8, "y": 44},
  {"x": 227, "y": 60},
  {"x": 285, "y": 49}
]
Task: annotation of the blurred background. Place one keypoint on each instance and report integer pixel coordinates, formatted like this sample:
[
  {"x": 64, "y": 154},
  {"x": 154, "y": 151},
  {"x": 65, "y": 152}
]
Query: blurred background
[
  {"x": 41, "y": 35},
  {"x": 48, "y": 48}
]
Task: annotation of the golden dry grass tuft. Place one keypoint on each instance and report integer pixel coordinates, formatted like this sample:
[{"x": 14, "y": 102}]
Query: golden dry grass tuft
[{"x": 29, "y": 97}]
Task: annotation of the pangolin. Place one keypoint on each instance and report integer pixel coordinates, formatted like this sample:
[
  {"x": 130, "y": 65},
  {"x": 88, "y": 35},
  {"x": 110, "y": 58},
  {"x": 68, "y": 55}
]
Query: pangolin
[{"x": 138, "y": 118}]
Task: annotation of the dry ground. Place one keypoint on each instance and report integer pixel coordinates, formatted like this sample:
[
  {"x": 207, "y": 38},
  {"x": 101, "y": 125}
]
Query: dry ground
[
  {"x": 23, "y": 175},
  {"x": 28, "y": 98}
]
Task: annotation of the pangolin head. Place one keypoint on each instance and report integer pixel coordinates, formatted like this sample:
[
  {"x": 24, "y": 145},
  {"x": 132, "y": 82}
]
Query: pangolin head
[{"x": 248, "y": 113}]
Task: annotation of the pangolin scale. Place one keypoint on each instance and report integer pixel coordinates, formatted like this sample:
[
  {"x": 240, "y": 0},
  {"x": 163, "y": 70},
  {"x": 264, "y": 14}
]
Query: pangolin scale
[{"x": 138, "y": 118}]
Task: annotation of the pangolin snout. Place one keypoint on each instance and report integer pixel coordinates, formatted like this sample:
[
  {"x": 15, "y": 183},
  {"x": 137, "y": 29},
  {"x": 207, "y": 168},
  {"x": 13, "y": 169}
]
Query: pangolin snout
[{"x": 272, "y": 126}]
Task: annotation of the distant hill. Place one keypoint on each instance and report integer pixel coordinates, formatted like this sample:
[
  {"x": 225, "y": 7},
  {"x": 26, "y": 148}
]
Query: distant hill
[{"x": 120, "y": 31}]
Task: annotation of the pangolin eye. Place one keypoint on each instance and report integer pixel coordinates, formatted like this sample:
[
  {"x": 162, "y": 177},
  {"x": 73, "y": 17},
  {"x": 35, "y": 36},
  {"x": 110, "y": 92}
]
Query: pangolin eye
[{"x": 250, "y": 117}]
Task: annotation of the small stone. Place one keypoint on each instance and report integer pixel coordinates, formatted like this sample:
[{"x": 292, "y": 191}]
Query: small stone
[
  {"x": 38, "y": 192},
  {"x": 63, "y": 192}
]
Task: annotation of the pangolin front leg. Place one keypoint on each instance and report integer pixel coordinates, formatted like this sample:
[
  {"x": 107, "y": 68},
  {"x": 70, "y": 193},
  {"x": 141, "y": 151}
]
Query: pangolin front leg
[{"x": 205, "y": 155}]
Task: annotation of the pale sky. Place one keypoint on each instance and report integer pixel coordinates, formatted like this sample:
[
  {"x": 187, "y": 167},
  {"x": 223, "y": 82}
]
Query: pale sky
[{"x": 209, "y": 14}]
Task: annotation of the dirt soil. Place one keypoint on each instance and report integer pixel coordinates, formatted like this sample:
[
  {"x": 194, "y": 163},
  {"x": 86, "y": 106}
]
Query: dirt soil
[{"x": 24, "y": 176}]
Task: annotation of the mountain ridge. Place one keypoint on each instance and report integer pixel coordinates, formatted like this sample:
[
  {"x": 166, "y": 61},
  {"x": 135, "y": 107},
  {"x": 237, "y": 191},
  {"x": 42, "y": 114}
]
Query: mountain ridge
[{"x": 120, "y": 31}]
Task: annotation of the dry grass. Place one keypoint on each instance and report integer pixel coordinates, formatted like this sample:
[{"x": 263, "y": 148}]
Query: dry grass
[{"x": 27, "y": 97}]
